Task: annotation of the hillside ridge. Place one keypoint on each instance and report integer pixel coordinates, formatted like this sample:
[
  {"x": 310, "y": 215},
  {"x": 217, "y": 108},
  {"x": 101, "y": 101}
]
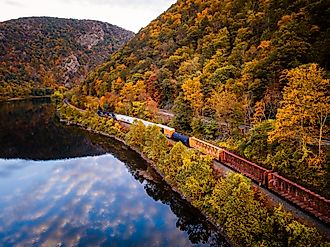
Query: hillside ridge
[
  {"x": 250, "y": 75},
  {"x": 46, "y": 51}
]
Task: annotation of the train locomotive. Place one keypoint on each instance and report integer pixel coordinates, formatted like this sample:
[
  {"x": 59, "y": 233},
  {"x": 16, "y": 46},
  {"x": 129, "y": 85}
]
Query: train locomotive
[{"x": 300, "y": 196}]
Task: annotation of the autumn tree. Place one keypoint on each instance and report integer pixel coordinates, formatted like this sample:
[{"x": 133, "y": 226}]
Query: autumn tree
[
  {"x": 132, "y": 98},
  {"x": 151, "y": 108},
  {"x": 229, "y": 112},
  {"x": 117, "y": 85},
  {"x": 304, "y": 115},
  {"x": 92, "y": 103},
  {"x": 259, "y": 113},
  {"x": 192, "y": 93},
  {"x": 109, "y": 101},
  {"x": 135, "y": 136}
]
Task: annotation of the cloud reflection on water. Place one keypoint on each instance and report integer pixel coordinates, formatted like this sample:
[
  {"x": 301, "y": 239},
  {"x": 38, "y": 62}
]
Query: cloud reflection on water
[{"x": 78, "y": 201}]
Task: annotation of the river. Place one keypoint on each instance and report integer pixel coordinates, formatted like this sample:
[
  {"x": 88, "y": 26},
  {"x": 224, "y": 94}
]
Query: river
[{"x": 62, "y": 186}]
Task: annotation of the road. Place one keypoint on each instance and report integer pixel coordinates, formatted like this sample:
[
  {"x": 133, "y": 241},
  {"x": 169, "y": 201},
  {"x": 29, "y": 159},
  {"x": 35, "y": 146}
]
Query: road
[
  {"x": 66, "y": 101},
  {"x": 165, "y": 113}
]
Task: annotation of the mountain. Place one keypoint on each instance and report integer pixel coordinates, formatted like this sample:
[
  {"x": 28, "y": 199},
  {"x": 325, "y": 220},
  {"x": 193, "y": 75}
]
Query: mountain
[
  {"x": 43, "y": 51},
  {"x": 244, "y": 45},
  {"x": 225, "y": 67}
]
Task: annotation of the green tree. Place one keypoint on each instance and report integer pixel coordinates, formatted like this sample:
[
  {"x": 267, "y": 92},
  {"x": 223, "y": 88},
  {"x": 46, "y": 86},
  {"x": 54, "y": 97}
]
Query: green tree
[
  {"x": 135, "y": 136},
  {"x": 156, "y": 144},
  {"x": 288, "y": 231},
  {"x": 57, "y": 97},
  {"x": 195, "y": 176},
  {"x": 233, "y": 204},
  {"x": 183, "y": 114},
  {"x": 256, "y": 146},
  {"x": 173, "y": 161}
]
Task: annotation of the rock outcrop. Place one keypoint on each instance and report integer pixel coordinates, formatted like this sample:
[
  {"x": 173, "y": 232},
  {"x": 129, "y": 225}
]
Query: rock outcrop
[{"x": 47, "y": 51}]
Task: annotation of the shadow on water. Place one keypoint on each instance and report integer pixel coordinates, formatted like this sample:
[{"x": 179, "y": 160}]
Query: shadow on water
[{"x": 29, "y": 130}]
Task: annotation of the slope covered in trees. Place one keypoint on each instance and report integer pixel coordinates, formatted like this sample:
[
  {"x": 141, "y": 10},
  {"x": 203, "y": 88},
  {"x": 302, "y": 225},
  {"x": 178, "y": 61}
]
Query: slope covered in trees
[
  {"x": 45, "y": 51},
  {"x": 244, "y": 45},
  {"x": 225, "y": 65}
]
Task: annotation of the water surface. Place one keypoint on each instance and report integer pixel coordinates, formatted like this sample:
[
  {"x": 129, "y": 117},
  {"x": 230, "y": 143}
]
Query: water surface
[{"x": 61, "y": 186}]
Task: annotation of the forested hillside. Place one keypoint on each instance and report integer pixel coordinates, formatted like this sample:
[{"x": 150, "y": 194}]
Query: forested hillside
[
  {"x": 224, "y": 66},
  {"x": 45, "y": 51}
]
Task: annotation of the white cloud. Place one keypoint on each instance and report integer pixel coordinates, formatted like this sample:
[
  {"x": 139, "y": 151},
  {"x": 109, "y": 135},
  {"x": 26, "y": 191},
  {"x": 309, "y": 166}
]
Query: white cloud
[
  {"x": 118, "y": 202},
  {"x": 129, "y": 14},
  {"x": 14, "y": 3}
]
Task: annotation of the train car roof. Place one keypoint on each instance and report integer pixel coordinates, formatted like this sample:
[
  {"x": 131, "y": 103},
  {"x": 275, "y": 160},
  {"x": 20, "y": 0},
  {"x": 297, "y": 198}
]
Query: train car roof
[
  {"x": 206, "y": 143},
  {"x": 165, "y": 127},
  {"x": 146, "y": 123}
]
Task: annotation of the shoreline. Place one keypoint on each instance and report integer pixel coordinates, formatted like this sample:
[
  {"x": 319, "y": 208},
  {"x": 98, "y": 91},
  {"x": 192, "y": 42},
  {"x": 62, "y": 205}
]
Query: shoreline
[
  {"x": 209, "y": 218},
  {"x": 154, "y": 167},
  {"x": 25, "y": 98}
]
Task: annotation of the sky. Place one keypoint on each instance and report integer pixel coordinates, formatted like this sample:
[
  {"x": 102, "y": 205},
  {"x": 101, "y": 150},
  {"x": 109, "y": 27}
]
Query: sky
[{"x": 129, "y": 14}]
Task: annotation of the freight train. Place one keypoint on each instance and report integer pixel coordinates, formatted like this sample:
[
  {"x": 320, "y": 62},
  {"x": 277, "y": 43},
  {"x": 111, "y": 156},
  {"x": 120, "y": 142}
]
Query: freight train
[{"x": 298, "y": 195}]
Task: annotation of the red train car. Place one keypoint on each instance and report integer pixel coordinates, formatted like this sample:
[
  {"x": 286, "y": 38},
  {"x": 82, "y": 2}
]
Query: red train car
[
  {"x": 300, "y": 196},
  {"x": 248, "y": 168}
]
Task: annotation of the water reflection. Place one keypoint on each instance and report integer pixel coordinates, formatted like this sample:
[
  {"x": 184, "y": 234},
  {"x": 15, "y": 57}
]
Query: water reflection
[
  {"x": 113, "y": 199},
  {"x": 29, "y": 130},
  {"x": 88, "y": 201}
]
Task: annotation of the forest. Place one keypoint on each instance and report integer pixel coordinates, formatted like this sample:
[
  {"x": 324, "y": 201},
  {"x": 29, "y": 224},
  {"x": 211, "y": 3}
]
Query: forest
[
  {"x": 41, "y": 52},
  {"x": 251, "y": 76}
]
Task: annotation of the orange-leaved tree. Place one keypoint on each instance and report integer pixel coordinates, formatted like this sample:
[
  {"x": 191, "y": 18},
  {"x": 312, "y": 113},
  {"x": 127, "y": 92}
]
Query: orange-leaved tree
[{"x": 303, "y": 117}]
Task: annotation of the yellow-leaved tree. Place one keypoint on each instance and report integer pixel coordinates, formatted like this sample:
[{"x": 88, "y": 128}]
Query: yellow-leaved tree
[
  {"x": 303, "y": 117},
  {"x": 192, "y": 92},
  {"x": 132, "y": 98}
]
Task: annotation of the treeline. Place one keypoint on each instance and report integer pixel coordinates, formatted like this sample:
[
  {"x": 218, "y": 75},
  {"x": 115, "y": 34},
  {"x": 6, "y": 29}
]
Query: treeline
[
  {"x": 90, "y": 120},
  {"x": 12, "y": 90},
  {"x": 46, "y": 51},
  {"x": 226, "y": 67}
]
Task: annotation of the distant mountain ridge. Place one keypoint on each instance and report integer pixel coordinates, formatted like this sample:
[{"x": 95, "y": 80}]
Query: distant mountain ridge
[{"x": 47, "y": 50}]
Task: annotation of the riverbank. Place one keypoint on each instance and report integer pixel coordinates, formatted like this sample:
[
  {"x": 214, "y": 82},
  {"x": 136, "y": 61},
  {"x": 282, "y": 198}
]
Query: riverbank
[
  {"x": 231, "y": 203},
  {"x": 155, "y": 169},
  {"x": 143, "y": 207}
]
